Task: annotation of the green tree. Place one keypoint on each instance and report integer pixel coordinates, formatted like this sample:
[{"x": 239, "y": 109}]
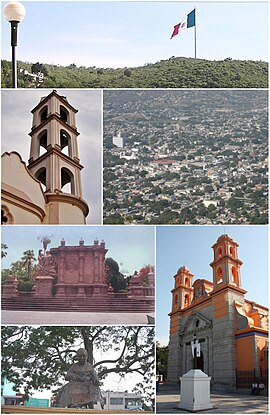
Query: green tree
[
  {"x": 116, "y": 278},
  {"x": 37, "y": 358},
  {"x": 127, "y": 72},
  {"x": 3, "y": 250},
  {"x": 39, "y": 67},
  {"x": 176, "y": 73},
  {"x": 114, "y": 219},
  {"x": 24, "y": 270},
  {"x": 162, "y": 360}
]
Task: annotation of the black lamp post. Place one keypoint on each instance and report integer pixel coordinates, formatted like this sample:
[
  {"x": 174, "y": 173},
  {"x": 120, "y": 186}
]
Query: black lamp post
[{"x": 14, "y": 12}]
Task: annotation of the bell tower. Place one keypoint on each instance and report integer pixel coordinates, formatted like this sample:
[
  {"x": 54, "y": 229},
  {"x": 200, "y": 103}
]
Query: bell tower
[
  {"x": 183, "y": 290},
  {"x": 226, "y": 265},
  {"x": 54, "y": 159}
]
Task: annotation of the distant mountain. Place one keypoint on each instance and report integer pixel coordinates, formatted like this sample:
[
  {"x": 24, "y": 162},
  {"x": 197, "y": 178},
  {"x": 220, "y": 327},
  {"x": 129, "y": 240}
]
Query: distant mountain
[{"x": 172, "y": 73}]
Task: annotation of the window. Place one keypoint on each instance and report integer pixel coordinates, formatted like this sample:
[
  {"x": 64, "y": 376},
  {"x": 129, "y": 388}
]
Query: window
[
  {"x": 44, "y": 114},
  {"x": 235, "y": 276},
  {"x": 67, "y": 181},
  {"x": 116, "y": 401},
  {"x": 63, "y": 114},
  {"x": 219, "y": 252},
  {"x": 186, "y": 300},
  {"x": 6, "y": 217},
  {"x": 42, "y": 143},
  {"x": 41, "y": 176},
  {"x": 219, "y": 276},
  {"x": 65, "y": 143}
]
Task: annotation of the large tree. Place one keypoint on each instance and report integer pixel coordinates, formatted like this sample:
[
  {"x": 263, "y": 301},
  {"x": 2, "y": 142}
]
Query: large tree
[
  {"x": 24, "y": 270},
  {"x": 36, "y": 358},
  {"x": 162, "y": 360},
  {"x": 116, "y": 278}
]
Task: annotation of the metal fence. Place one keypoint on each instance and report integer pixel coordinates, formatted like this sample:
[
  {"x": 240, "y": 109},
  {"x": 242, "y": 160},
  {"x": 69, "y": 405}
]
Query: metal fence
[{"x": 245, "y": 378}]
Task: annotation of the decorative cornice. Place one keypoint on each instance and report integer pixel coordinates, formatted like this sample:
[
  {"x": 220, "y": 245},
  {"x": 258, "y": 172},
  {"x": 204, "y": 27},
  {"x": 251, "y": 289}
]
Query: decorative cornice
[
  {"x": 54, "y": 150},
  {"x": 24, "y": 164},
  {"x": 23, "y": 204},
  {"x": 54, "y": 93},
  {"x": 228, "y": 287},
  {"x": 196, "y": 316},
  {"x": 225, "y": 237},
  {"x": 69, "y": 199},
  {"x": 183, "y": 311},
  {"x": 35, "y": 129},
  {"x": 226, "y": 257}
]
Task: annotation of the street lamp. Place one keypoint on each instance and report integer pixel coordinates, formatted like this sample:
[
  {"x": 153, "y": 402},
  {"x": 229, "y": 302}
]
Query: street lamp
[{"x": 14, "y": 12}]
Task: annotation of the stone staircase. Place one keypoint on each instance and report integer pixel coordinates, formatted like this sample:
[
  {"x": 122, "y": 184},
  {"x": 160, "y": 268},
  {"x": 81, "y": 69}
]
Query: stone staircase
[{"x": 91, "y": 304}]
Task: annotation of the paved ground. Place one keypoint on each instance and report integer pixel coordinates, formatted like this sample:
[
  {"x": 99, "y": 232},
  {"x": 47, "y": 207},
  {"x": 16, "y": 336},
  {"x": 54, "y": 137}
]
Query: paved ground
[
  {"x": 51, "y": 317},
  {"x": 223, "y": 403}
]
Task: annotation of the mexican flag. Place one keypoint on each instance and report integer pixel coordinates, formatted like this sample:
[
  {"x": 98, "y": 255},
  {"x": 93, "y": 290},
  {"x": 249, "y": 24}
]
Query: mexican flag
[{"x": 185, "y": 24}]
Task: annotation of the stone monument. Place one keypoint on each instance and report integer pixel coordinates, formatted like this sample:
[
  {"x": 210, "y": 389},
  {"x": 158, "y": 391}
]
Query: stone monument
[
  {"x": 82, "y": 390},
  {"x": 9, "y": 288},
  {"x": 195, "y": 385},
  {"x": 46, "y": 272}
]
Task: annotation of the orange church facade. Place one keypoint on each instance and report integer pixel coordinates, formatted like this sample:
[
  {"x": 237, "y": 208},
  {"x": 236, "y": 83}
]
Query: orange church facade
[{"x": 232, "y": 331}]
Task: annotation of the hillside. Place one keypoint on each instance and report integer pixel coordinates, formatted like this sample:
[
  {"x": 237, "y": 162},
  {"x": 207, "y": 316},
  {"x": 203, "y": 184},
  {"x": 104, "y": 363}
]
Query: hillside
[{"x": 171, "y": 73}]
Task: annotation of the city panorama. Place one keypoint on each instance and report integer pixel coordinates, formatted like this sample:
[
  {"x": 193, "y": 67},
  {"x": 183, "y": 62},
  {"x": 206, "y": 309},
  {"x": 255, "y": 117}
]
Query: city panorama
[{"x": 186, "y": 157}]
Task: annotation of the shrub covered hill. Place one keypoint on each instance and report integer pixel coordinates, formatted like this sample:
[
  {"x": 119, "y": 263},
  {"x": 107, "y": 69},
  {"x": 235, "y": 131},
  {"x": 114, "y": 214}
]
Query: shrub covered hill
[{"x": 172, "y": 73}]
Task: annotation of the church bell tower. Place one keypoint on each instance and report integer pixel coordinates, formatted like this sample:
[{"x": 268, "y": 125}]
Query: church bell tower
[
  {"x": 226, "y": 265},
  {"x": 54, "y": 159},
  {"x": 182, "y": 293}
]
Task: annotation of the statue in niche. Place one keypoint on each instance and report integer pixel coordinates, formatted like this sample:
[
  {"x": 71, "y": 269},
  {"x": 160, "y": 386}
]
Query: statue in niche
[{"x": 82, "y": 390}]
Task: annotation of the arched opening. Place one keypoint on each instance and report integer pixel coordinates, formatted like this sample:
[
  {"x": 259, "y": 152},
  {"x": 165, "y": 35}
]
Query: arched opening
[
  {"x": 219, "y": 276},
  {"x": 44, "y": 114},
  {"x": 65, "y": 143},
  {"x": 64, "y": 116},
  {"x": 41, "y": 176},
  {"x": 6, "y": 217},
  {"x": 219, "y": 252},
  {"x": 232, "y": 251},
  {"x": 67, "y": 181},
  {"x": 187, "y": 282},
  {"x": 176, "y": 299},
  {"x": 235, "y": 276},
  {"x": 42, "y": 143},
  {"x": 186, "y": 300}
]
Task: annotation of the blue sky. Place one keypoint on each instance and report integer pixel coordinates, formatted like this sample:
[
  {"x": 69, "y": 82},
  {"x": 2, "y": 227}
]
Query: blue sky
[
  {"x": 132, "y": 247},
  {"x": 191, "y": 246},
  {"x": 124, "y": 33}
]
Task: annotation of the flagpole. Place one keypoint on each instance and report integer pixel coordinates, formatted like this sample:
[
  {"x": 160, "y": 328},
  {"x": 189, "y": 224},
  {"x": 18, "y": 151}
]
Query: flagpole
[{"x": 195, "y": 37}]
